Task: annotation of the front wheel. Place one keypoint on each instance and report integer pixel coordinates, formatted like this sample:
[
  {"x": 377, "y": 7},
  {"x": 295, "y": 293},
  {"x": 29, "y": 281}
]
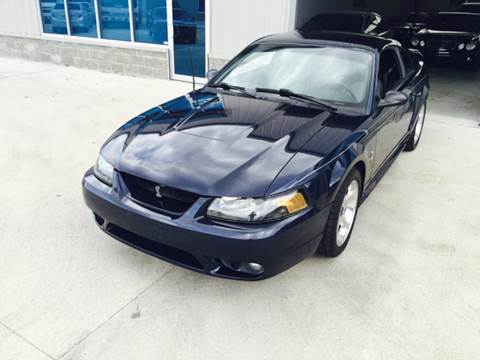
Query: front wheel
[
  {"x": 342, "y": 216},
  {"x": 417, "y": 130}
]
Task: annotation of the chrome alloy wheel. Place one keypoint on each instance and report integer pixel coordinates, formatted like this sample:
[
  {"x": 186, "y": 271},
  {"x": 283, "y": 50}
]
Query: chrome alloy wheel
[
  {"x": 347, "y": 213},
  {"x": 419, "y": 125}
]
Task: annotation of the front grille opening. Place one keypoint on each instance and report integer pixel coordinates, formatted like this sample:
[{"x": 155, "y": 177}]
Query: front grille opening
[
  {"x": 156, "y": 197},
  {"x": 160, "y": 250}
]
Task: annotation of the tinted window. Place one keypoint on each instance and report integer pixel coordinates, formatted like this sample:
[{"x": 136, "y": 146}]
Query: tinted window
[
  {"x": 390, "y": 73},
  {"x": 328, "y": 73},
  {"x": 82, "y": 18},
  {"x": 456, "y": 22},
  {"x": 335, "y": 22},
  {"x": 115, "y": 19},
  {"x": 53, "y": 17},
  {"x": 150, "y": 21}
]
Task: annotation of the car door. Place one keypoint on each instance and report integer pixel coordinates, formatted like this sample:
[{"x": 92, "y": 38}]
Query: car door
[{"x": 391, "y": 77}]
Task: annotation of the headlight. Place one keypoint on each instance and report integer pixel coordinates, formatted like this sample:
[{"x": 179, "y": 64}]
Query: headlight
[
  {"x": 461, "y": 46},
  {"x": 415, "y": 41},
  {"x": 249, "y": 210},
  {"x": 422, "y": 43},
  {"x": 471, "y": 46},
  {"x": 103, "y": 170}
]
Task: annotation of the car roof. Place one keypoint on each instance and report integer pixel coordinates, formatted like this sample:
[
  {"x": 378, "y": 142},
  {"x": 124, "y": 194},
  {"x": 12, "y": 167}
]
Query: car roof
[{"x": 367, "y": 42}]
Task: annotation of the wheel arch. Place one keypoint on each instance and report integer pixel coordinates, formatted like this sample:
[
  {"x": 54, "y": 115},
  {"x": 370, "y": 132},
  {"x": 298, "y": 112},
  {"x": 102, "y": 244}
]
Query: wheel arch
[
  {"x": 362, "y": 168},
  {"x": 359, "y": 163}
]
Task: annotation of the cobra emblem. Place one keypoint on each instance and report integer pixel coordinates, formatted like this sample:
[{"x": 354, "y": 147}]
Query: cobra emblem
[{"x": 157, "y": 191}]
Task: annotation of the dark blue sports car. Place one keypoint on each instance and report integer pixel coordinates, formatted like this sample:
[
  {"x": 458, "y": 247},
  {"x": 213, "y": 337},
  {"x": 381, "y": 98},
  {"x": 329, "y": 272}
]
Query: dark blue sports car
[{"x": 269, "y": 162}]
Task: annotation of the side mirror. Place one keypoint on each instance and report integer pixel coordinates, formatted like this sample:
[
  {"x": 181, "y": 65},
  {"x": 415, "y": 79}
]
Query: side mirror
[
  {"x": 211, "y": 74},
  {"x": 393, "y": 98}
]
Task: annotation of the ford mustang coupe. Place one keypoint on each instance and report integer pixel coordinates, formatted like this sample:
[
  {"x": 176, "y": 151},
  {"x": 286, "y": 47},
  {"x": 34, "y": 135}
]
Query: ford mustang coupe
[{"x": 269, "y": 162}]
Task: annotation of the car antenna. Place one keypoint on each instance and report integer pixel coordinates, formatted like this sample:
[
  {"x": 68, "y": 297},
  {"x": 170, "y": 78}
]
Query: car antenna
[{"x": 193, "y": 77}]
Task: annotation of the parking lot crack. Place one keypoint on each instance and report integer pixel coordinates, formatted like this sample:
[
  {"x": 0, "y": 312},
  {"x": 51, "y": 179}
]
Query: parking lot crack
[
  {"x": 8, "y": 328},
  {"x": 28, "y": 73},
  {"x": 99, "y": 326}
]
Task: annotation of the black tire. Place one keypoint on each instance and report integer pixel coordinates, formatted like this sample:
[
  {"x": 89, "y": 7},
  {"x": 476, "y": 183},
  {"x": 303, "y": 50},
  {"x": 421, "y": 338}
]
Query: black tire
[
  {"x": 412, "y": 142},
  {"x": 328, "y": 245}
]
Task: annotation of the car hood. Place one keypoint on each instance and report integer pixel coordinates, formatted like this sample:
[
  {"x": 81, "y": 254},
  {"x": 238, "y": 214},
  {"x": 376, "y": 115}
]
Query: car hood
[{"x": 223, "y": 144}]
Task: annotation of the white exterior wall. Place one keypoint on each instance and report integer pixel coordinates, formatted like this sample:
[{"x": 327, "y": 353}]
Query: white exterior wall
[
  {"x": 20, "y": 17},
  {"x": 235, "y": 24}
]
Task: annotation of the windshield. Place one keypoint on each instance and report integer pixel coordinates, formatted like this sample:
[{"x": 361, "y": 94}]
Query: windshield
[
  {"x": 338, "y": 75},
  {"x": 335, "y": 22},
  {"x": 456, "y": 22}
]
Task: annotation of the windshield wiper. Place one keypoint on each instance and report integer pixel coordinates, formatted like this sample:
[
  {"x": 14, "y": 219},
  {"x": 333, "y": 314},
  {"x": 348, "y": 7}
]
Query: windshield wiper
[
  {"x": 229, "y": 87},
  {"x": 293, "y": 95}
]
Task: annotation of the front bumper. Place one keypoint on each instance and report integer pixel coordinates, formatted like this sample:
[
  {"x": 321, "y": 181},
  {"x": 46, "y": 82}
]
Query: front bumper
[
  {"x": 452, "y": 56},
  {"x": 198, "y": 243}
]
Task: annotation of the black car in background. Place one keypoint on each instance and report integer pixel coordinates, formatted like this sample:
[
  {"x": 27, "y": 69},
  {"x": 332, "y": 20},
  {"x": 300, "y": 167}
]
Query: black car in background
[
  {"x": 358, "y": 22},
  {"x": 470, "y": 7},
  {"x": 405, "y": 27},
  {"x": 451, "y": 36}
]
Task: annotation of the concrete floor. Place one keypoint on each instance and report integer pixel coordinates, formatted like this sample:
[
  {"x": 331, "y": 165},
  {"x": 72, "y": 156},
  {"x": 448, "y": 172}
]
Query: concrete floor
[{"x": 406, "y": 288}]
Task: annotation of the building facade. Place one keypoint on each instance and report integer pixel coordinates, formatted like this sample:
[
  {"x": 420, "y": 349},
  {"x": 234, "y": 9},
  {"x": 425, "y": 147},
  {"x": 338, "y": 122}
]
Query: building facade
[
  {"x": 153, "y": 38},
  {"x": 158, "y": 38}
]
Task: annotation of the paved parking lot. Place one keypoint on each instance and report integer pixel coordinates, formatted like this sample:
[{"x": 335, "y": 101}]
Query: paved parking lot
[{"x": 406, "y": 288}]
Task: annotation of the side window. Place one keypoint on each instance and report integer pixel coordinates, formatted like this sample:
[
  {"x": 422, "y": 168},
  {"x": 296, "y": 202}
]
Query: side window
[
  {"x": 390, "y": 73},
  {"x": 407, "y": 61}
]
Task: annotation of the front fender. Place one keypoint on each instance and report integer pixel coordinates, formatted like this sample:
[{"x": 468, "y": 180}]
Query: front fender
[{"x": 321, "y": 179}]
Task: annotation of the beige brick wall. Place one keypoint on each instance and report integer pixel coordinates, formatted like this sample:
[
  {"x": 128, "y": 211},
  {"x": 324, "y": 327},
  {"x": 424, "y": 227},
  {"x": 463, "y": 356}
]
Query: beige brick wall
[{"x": 125, "y": 61}]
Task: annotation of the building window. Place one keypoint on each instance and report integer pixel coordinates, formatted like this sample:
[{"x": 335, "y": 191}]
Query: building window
[
  {"x": 108, "y": 19},
  {"x": 150, "y": 21},
  {"x": 115, "y": 19},
  {"x": 82, "y": 18},
  {"x": 53, "y": 16}
]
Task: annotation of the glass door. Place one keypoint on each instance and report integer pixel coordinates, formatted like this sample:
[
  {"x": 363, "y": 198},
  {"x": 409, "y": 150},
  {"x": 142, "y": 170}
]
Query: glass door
[{"x": 187, "y": 33}]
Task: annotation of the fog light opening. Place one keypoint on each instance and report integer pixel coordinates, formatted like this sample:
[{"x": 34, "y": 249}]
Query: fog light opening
[
  {"x": 100, "y": 221},
  {"x": 244, "y": 267}
]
